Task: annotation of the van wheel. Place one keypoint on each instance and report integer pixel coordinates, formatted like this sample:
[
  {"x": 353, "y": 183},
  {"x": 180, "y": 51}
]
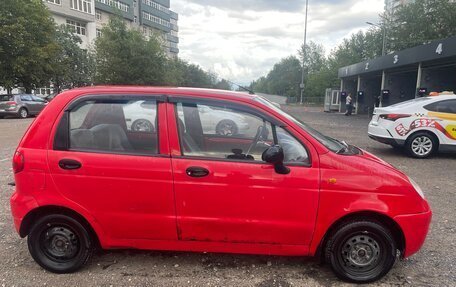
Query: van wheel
[
  {"x": 421, "y": 145},
  {"x": 361, "y": 251},
  {"x": 23, "y": 113},
  {"x": 59, "y": 243}
]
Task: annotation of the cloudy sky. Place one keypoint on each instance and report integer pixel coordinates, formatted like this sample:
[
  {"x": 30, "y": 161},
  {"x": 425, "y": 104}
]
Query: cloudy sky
[{"x": 242, "y": 39}]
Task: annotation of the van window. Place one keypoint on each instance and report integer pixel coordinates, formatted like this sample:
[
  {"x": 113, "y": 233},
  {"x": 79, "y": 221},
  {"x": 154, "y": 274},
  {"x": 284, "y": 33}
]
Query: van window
[{"x": 114, "y": 127}]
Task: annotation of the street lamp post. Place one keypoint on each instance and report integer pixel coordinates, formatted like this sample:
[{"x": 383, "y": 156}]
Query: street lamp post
[
  {"x": 304, "y": 54},
  {"x": 384, "y": 36}
]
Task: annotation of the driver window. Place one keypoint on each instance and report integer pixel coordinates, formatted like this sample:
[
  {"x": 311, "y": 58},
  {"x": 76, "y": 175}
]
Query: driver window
[{"x": 222, "y": 132}]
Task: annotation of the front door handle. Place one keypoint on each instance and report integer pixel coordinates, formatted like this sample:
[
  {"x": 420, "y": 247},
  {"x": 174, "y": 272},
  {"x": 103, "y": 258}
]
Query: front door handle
[
  {"x": 69, "y": 164},
  {"x": 196, "y": 171}
]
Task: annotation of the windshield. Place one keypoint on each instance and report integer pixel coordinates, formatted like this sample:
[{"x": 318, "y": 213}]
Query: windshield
[{"x": 329, "y": 142}]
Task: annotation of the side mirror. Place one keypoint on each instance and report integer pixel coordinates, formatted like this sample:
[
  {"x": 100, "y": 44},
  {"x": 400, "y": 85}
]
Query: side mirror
[{"x": 275, "y": 156}]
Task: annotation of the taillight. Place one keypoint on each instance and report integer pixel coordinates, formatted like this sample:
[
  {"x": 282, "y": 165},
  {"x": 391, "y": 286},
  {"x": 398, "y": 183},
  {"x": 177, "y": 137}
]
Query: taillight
[
  {"x": 393, "y": 117},
  {"x": 18, "y": 162},
  {"x": 11, "y": 105}
]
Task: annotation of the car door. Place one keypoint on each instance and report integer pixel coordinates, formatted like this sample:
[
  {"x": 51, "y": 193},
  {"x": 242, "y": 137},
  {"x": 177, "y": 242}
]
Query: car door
[
  {"x": 444, "y": 113},
  {"x": 121, "y": 176},
  {"x": 226, "y": 193},
  {"x": 39, "y": 103},
  {"x": 27, "y": 101}
]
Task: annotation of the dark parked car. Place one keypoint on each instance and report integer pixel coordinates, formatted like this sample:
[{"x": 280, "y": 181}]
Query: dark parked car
[{"x": 21, "y": 105}]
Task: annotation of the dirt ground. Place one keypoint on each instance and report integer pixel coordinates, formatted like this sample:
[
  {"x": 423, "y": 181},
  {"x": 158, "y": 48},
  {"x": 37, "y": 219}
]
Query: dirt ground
[{"x": 434, "y": 265}]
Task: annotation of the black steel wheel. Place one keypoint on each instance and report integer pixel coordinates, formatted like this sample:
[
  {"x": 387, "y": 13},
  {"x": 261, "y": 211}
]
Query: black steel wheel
[
  {"x": 226, "y": 128},
  {"x": 361, "y": 251},
  {"x": 60, "y": 243}
]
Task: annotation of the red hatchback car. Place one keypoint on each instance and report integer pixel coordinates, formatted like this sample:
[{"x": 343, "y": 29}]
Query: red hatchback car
[{"x": 86, "y": 177}]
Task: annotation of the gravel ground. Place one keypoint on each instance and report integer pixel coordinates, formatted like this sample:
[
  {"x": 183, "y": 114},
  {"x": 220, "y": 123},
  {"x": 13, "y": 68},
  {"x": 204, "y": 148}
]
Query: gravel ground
[{"x": 434, "y": 265}]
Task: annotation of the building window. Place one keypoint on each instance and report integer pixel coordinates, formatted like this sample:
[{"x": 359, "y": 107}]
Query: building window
[
  {"x": 76, "y": 27},
  {"x": 154, "y": 19},
  {"x": 98, "y": 15},
  {"x": 117, "y": 4},
  {"x": 135, "y": 19},
  {"x": 81, "y": 5},
  {"x": 98, "y": 33},
  {"x": 155, "y": 5},
  {"x": 54, "y": 2}
]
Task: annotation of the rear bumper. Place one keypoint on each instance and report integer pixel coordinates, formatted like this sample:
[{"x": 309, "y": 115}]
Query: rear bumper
[
  {"x": 20, "y": 206},
  {"x": 13, "y": 113},
  {"x": 382, "y": 135},
  {"x": 415, "y": 228}
]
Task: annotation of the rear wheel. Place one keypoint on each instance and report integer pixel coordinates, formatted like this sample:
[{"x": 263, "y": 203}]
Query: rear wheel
[
  {"x": 23, "y": 113},
  {"x": 421, "y": 145},
  {"x": 60, "y": 243},
  {"x": 226, "y": 128},
  {"x": 361, "y": 251}
]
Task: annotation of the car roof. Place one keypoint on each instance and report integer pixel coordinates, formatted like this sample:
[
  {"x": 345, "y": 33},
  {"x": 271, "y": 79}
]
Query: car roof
[{"x": 181, "y": 91}]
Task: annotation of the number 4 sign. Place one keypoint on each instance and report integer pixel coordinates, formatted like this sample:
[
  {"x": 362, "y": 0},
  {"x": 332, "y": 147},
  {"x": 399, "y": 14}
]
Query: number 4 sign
[{"x": 439, "y": 49}]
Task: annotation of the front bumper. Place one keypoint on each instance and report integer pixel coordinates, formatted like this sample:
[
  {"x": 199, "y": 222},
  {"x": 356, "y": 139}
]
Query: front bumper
[{"x": 415, "y": 228}]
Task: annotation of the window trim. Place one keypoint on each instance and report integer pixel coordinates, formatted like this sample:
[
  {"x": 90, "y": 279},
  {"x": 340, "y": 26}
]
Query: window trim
[
  {"x": 274, "y": 123},
  {"x": 426, "y": 107},
  {"x": 61, "y": 140}
]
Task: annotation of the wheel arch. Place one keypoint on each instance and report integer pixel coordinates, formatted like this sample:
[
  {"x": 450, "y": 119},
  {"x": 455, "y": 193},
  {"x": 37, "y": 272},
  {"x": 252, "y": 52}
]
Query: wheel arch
[
  {"x": 426, "y": 131},
  {"x": 41, "y": 211},
  {"x": 383, "y": 219}
]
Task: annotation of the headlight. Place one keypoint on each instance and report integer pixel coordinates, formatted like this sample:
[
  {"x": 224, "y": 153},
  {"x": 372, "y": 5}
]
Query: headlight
[{"x": 417, "y": 187}]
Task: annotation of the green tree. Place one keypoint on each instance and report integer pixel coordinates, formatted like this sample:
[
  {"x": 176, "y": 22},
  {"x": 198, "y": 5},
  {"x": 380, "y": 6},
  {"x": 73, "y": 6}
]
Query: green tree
[
  {"x": 421, "y": 22},
  {"x": 27, "y": 44},
  {"x": 182, "y": 73},
  {"x": 73, "y": 66},
  {"x": 124, "y": 56}
]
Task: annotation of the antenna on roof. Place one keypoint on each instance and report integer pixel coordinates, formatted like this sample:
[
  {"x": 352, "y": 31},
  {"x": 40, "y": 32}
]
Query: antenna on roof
[{"x": 241, "y": 87}]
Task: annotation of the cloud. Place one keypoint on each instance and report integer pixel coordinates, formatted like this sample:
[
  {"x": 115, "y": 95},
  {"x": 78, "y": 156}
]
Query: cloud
[{"x": 241, "y": 40}]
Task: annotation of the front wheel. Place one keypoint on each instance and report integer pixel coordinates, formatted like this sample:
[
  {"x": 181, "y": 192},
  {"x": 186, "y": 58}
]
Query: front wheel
[
  {"x": 59, "y": 243},
  {"x": 361, "y": 251}
]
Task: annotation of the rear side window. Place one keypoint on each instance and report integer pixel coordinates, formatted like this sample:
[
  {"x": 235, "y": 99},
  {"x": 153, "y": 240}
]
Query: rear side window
[
  {"x": 114, "y": 127},
  {"x": 26, "y": 98},
  {"x": 6, "y": 98},
  {"x": 448, "y": 106}
]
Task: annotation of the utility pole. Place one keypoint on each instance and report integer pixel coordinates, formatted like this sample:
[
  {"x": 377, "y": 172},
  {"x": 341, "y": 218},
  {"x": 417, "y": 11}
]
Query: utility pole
[
  {"x": 383, "y": 28},
  {"x": 304, "y": 54}
]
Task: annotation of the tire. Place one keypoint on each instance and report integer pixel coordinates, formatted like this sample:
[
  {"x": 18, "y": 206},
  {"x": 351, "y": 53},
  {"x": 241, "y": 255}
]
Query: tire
[
  {"x": 142, "y": 125},
  {"x": 60, "y": 244},
  {"x": 421, "y": 145},
  {"x": 226, "y": 128},
  {"x": 23, "y": 113},
  {"x": 361, "y": 251}
]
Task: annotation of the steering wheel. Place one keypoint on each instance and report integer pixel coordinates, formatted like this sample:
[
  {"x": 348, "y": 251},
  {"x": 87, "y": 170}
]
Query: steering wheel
[{"x": 256, "y": 139}]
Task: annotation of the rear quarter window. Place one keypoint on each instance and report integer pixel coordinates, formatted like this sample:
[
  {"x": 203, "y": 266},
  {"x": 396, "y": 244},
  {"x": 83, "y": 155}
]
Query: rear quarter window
[{"x": 6, "y": 98}]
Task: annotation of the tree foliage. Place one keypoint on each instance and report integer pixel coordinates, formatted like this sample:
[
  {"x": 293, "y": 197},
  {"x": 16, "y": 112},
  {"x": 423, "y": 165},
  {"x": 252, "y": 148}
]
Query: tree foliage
[
  {"x": 27, "y": 44},
  {"x": 414, "y": 24},
  {"x": 421, "y": 22},
  {"x": 72, "y": 66},
  {"x": 125, "y": 56}
]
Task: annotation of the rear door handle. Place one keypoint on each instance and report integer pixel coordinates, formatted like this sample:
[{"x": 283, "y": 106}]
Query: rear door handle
[
  {"x": 69, "y": 164},
  {"x": 196, "y": 171}
]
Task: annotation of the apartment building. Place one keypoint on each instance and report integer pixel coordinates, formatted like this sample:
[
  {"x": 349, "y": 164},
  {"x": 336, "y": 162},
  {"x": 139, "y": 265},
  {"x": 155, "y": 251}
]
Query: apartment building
[{"x": 87, "y": 18}]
